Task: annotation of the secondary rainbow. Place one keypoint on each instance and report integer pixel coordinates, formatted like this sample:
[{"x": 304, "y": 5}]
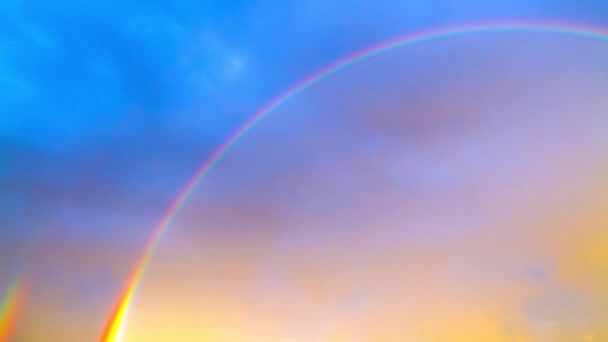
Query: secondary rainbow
[
  {"x": 10, "y": 306},
  {"x": 115, "y": 326}
]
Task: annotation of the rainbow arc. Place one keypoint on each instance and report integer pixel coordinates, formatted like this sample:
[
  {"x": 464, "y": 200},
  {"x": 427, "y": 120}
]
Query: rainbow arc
[{"x": 116, "y": 323}]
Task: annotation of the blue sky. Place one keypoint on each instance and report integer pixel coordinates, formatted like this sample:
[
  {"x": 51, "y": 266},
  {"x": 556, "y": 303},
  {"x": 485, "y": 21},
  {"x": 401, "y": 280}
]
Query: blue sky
[
  {"x": 118, "y": 101},
  {"x": 84, "y": 80},
  {"x": 108, "y": 107}
]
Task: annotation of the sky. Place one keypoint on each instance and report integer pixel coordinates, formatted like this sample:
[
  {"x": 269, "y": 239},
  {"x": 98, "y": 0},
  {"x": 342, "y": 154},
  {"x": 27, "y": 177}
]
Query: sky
[{"x": 449, "y": 191}]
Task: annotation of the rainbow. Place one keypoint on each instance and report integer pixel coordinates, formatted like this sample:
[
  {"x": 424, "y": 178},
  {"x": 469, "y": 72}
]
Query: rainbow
[
  {"x": 10, "y": 306},
  {"x": 116, "y": 323}
]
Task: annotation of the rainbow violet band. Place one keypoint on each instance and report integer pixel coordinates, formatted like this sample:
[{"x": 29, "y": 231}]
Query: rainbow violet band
[{"x": 116, "y": 323}]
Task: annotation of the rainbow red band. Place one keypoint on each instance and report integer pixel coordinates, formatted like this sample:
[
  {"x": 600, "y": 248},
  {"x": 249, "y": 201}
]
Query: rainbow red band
[{"x": 115, "y": 326}]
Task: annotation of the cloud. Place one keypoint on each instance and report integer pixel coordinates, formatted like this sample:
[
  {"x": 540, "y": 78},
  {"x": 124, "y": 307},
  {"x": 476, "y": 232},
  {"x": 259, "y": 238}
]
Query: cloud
[{"x": 453, "y": 181}]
